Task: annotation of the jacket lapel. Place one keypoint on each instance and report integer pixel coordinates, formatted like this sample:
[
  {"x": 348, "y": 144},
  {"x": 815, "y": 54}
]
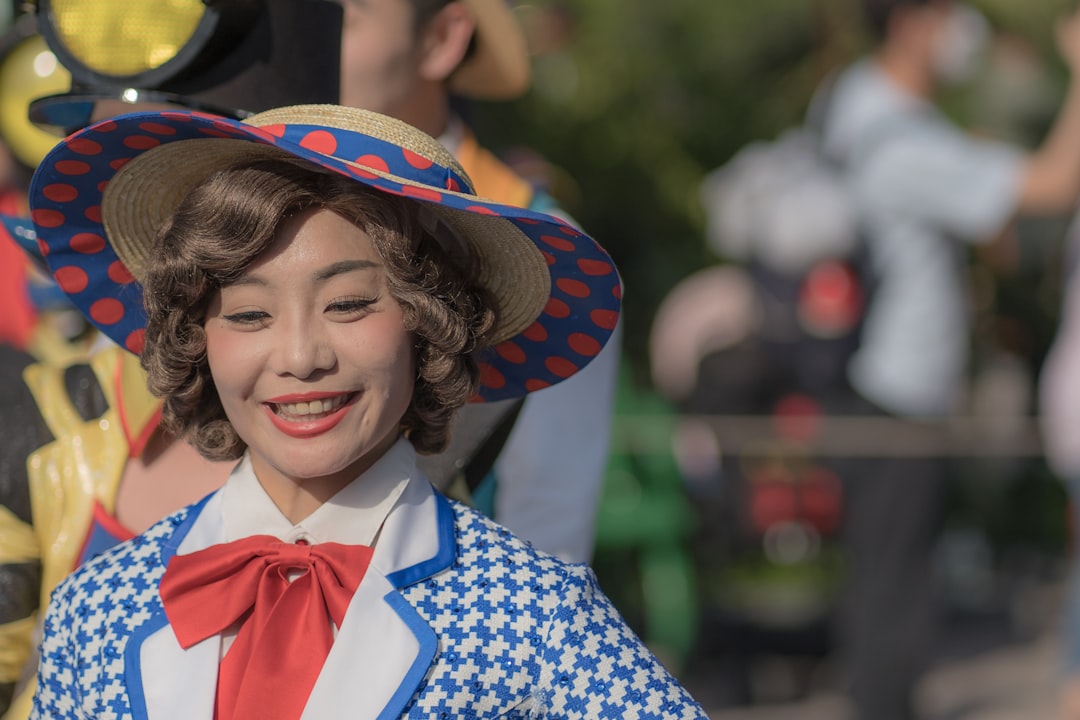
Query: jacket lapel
[
  {"x": 384, "y": 647},
  {"x": 165, "y": 681},
  {"x": 382, "y": 651}
]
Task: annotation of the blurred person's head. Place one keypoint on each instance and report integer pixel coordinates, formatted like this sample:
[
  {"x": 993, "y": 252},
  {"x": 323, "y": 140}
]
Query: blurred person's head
[
  {"x": 405, "y": 58},
  {"x": 938, "y": 41}
]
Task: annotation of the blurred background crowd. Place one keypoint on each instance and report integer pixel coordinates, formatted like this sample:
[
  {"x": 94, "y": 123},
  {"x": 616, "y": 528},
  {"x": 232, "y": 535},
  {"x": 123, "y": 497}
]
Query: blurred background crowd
[
  {"x": 749, "y": 486},
  {"x": 724, "y": 529}
]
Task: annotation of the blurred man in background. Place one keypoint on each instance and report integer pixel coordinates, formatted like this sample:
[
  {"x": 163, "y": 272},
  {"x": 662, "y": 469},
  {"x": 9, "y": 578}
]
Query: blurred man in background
[{"x": 923, "y": 189}]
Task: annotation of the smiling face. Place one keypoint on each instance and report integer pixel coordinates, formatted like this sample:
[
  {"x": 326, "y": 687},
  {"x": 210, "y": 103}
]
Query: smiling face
[{"x": 310, "y": 356}]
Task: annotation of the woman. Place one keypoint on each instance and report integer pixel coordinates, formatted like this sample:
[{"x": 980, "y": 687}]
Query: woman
[{"x": 321, "y": 294}]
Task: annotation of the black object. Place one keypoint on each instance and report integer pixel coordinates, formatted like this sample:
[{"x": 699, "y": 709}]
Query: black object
[{"x": 244, "y": 57}]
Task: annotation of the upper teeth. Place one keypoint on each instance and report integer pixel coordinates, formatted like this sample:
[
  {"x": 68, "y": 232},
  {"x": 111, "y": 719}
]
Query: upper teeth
[{"x": 315, "y": 407}]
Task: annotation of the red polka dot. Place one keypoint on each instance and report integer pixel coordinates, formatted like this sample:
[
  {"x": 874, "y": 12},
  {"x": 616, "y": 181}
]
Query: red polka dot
[
  {"x": 617, "y": 291},
  {"x": 606, "y": 319},
  {"x": 594, "y": 267},
  {"x": 374, "y": 162},
  {"x": 490, "y": 377},
  {"x": 558, "y": 243},
  {"x": 262, "y": 135},
  {"x": 60, "y": 192},
  {"x": 584, "y": 344},
  {"x": 84, "y": 146},
  {"x": 422, "y": 193},
  {"x": 557, "y": 308},
  {"x": 141, "y": 142},
  {"x": 48, "y": 218},
  {"x": 481, "y": 209},
  {"x": 107, "y": 311},
  {"x": 136, "y": 341},
  {"x": 42, "y": 248},
  {"x": 536, "y": 332},
  {"x": 178, "y": 116},
  {"x": 548, "y": 257},
  {"x": 102, "y": 185},
  {"x": 320, "y": 141},
  {"x": 528, "y": 221},
  {"x": 227, "y": 127},
  {"x": 105, "y": 126},
  {"x": 205, "y": 116},
  {"x": 71, "y": 279},
  {"x": 87, "y": 243},
  {"x": 214, "y": 132},
  {"x": 510, "y": 352},
  {"x": 452, "y": 184},
  {"x": 417, "y": 161},
  {"x": 119, "y": 163},
  {"x": 277, "y": 131},
  {"x": 560, "y": 367},
  {"x": 533, "y": 385},
  {"x": 570, "y": 230},
  {"x": 119, "y": 273},
  {"x": 574, "y": 288},
  {"x": 157, "y": 128},
  {"x": 72, "y": 167},
  {"x": 93, "y": 213}
]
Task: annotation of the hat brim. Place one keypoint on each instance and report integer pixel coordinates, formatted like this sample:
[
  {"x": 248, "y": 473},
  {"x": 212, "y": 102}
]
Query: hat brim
[{"x": 99, "y": 197}]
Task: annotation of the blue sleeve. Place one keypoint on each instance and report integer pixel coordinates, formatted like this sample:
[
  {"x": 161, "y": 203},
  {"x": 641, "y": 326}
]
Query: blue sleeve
[{"x": 594, "y": 666}]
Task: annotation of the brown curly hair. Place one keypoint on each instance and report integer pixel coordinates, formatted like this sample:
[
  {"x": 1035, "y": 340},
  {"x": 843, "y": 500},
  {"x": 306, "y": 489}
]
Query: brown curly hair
[{"x": 223, "y": 226}]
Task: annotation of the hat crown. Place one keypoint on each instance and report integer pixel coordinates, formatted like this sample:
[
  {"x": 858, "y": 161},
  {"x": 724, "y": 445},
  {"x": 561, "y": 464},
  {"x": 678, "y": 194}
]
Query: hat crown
[{"x": 367, "y": 138}]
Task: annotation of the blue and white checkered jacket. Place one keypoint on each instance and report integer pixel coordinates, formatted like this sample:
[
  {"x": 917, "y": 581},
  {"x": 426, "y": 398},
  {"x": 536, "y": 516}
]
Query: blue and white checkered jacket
[{"x": 456, "y": 618}]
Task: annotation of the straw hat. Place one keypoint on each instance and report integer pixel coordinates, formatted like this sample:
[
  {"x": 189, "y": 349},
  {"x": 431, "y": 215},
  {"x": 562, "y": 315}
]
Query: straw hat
[
  {"x": 98, "y": 198},
  {"x": 499, "y": 68}
]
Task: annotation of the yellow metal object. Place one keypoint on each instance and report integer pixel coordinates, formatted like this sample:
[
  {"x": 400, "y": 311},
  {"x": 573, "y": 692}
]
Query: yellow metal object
[
  {"x": 17, "y": 541},
  {"x": 28, "y": 72},
  {"x": 83, "y": 465},
  {"x": 122, "y": 38},
  {"x": 16, "y": 640}
]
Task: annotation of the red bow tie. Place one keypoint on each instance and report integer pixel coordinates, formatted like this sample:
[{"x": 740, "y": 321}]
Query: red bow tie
[{"x": 285, "y": 632}]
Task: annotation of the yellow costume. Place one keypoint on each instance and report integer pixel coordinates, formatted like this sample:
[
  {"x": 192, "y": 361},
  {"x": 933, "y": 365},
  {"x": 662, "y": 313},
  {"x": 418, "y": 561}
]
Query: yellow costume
[{"x": 72, "y": 479}]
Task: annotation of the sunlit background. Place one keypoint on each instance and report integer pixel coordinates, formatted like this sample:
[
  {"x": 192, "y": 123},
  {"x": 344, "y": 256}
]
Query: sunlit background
[{"x": 634, "y": 104}]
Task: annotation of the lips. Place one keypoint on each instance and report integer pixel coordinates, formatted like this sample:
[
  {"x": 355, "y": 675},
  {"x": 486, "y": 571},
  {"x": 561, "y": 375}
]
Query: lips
[{"x": 310, "y": 414}]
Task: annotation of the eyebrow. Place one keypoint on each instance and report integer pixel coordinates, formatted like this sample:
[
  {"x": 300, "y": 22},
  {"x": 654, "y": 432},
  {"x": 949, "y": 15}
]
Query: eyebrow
[
  {"x": 321, "y": 275},
  {"x": 345, "y": 266}
]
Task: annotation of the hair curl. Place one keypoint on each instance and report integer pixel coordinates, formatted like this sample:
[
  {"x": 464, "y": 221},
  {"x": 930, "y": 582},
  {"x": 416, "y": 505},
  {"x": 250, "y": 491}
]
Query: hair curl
[{"x": 226, "y": 223}]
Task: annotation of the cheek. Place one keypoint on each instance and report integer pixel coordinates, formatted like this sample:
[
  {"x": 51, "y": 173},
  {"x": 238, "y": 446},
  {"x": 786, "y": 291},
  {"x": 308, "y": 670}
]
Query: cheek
[{"x": 229, "y": 357}]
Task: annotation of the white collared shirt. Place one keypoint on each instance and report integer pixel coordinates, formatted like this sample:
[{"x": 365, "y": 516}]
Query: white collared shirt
[{"x": 353, "y": 516}]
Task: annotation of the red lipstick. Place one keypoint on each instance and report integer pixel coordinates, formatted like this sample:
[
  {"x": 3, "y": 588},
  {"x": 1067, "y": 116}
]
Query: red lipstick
[{"x": 308, "y": 427}]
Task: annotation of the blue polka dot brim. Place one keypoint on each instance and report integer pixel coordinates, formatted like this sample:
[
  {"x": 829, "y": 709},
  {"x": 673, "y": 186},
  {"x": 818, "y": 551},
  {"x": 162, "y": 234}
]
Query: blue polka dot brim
[{"x": 98, "y": 198}]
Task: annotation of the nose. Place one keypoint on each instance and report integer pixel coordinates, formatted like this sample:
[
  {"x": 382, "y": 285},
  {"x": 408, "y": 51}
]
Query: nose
[{"x": 301, "y": 348}]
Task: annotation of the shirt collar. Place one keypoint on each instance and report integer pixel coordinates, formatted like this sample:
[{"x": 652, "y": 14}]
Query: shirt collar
[{"x": 354, "y": 516}]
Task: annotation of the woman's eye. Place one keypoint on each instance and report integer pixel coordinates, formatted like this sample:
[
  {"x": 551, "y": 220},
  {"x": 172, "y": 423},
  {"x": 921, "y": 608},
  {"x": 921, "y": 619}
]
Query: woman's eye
[
  {"x": 350, "y": 305},
  {"x": 248, "y": 317}
]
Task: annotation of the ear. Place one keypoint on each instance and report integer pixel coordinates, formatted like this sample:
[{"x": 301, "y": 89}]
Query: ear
[{"x": 445, "y": 41}]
